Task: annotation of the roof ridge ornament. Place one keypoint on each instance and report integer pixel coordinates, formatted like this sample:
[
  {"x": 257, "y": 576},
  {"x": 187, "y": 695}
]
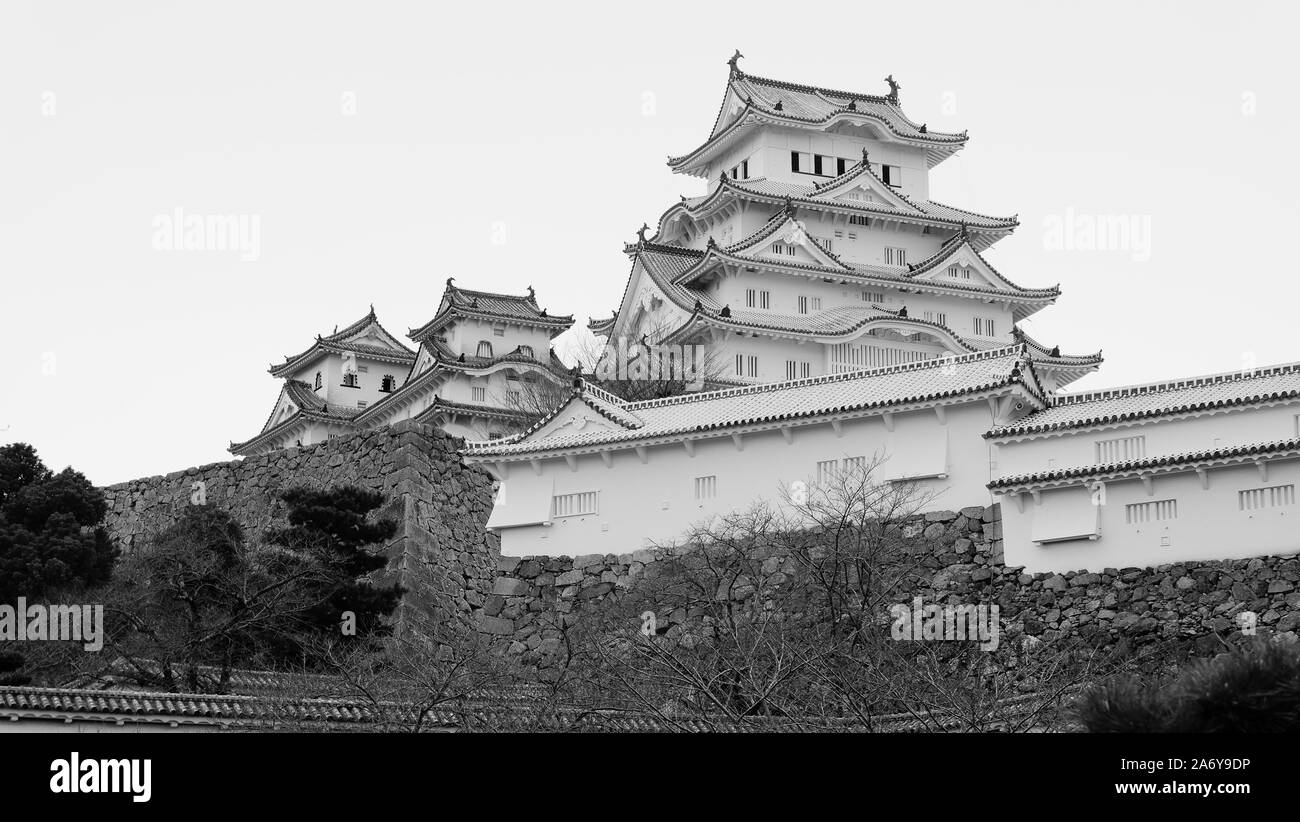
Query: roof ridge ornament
[
  {"x": 726, "y": 311},
  {"x": 734, "y": 64},
  {"x": 532, "y": 295},
  {"x": 853, "y": 105},
  {"x": 640, "y": 235},
  {"x": 778, "y": 106},
  {"x": 865, "y": 154},
  {"x": 892, "y": 96}
]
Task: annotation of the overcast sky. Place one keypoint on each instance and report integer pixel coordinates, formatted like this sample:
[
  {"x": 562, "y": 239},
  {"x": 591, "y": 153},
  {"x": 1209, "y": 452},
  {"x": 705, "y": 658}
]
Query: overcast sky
[{"x": 381, "y": 147}]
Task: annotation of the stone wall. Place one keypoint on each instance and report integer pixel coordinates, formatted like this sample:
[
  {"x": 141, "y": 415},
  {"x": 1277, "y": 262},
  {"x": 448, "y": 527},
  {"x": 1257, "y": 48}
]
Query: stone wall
[
  {"x": 1193, "y": 602},
  {"x": 441, "y": 553}
]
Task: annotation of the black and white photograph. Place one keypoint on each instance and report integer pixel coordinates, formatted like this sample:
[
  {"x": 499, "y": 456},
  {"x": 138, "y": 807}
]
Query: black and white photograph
[{"x": 436, "y": 382}]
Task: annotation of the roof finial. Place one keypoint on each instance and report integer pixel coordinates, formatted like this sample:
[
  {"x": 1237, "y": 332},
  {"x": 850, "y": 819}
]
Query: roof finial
[
  {"x": 892, "y": 96},
  {"x": 450, "y": 280},
  {"x": 372, "y": 309},
  {"x": 532, "y": 295},
  {"x": 902, "y": 312},
  {"x": 965, "y": 231},
  {"x": 1055, "y": 352},
  {"x": 864, "y": 157},
  {"x": 726, "y": 311},
  {"x": 853, "y": 105},
  {"x": 712, "y": 243},
  {"x": 778, "y": 106},
  {"x": 640, "y": 234},
  {"x": 788, "y": 205},
  {"x": 734, "y": 62}
]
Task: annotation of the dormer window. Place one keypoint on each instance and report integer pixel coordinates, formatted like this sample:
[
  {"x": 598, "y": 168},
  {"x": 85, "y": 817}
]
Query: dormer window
[
  {"x": 484, "y": 348},
  {"x": 319, "y": 381},
  {"x": 350, "y": 380},
  {"x": 388, "y": 384},
  {"x": 526, "y": 350}
]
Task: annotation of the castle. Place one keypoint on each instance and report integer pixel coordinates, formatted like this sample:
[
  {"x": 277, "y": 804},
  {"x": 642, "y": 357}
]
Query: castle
[
  {"x": 483, "y": 365},
  {"x": 859, "y": 325}
]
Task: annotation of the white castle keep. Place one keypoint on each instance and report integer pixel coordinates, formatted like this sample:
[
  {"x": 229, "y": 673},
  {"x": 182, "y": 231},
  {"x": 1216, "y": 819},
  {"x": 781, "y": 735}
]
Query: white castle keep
[{"x": 855, "y": 320}]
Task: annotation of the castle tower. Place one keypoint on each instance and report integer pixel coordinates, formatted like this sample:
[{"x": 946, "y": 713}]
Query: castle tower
[{"x": 818, "y": 250}]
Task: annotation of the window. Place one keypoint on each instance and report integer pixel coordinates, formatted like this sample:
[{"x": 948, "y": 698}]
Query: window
[
  {"x": 895, "y": 256},
  {"x": 388, "y": 384},
  {"x": 746, "y": 365},
  {"x": 363, "y": 369},
  {"x": 827, "y": 471},
  {"x": 484, "y": 348},
  {"x": 892, "y": 175},
  {"x": 1273, "y": 496},
  {"x": 706, "y": 487},
  {"x": 350, "y": 380},
  {"x": 957, "y": 272},
  {"x": 580, "y": 504},
  {"x": 499, "y": 331},
  {"x": 319, "y": 381},
  {"x": 478, "y": 393},
  {"x": 847, "y": 357},
  {"x": 855, "y": 466},
  {"x": 1155, "y": 511},
  {"x": 1121, "y": 449},
  {"x": 495, "y": 435},
  {"x": 839, "y": 235},
  {"x": 861, "y": 196},
  {"x": 758, "y": 299},
  {"x": 822, "y": 165},
  {"x": 362, "y": 403},
  {"x": 807, "y": 304},
  {"x": 939, "y": 317},
  {"x": 873, "y": 296},
  {"x": 740, "y": 171},
  {"x": 795, "y": 370},
  {"x": 824, "y": 242},
  {"x": 983, "y": 327},
  {"x": 526, "y": 350},
  {"x": 783, "y": 248},
  {"x": 859, "y": 219},
  {"x": 853, "y": 235}
]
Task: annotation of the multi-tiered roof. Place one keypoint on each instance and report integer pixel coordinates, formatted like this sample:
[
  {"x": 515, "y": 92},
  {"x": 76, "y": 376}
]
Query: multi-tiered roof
[{"x": 683, "y": 256}]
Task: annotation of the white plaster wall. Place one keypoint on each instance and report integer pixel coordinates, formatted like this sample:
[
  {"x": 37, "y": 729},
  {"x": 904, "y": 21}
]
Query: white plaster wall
[
  {"x": 641, "y": 503},
  {"x": 1163, "y": 437},
  {"x": 1209, "y": 524},
  {"x": 768, "y": 151}
]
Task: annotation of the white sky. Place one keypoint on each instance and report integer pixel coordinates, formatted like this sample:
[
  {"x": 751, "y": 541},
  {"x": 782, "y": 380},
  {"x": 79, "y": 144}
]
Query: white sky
[{"x": 549, "y": 124}]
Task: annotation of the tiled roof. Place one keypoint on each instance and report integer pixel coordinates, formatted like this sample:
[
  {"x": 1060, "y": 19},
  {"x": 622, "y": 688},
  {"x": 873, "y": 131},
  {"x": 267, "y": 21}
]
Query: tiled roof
[
  {"x": 924, "y": 382},
  {"x": 490, "y": 305},
  {"x": 1170, "y": 463},
  {"x": 778, "y": 101},
  {"x": 473, "y": 362},
  {"x": 338, "y": 342},
  {"x": 440, "y": 405},
  {"x": 687, "y": 259},
  {"x": 1138, "y": 402},
  {"x": 508, "y": 709}
]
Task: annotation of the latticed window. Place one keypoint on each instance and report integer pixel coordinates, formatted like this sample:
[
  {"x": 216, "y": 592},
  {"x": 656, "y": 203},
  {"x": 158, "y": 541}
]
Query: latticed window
[
  {"x": 388, "y": 384},
  {"x": 319, "y": 380},
  {"x": 706, "y": 487},
  {"x": 484, "y": 348},
  {"x": 1272, "y": 496},
  {"x": 1158, "y": 510},
  {"x": 350, "y": 380},
  {"x": 1121, "y": 449},
  {"x": 574, "y": 505}
]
